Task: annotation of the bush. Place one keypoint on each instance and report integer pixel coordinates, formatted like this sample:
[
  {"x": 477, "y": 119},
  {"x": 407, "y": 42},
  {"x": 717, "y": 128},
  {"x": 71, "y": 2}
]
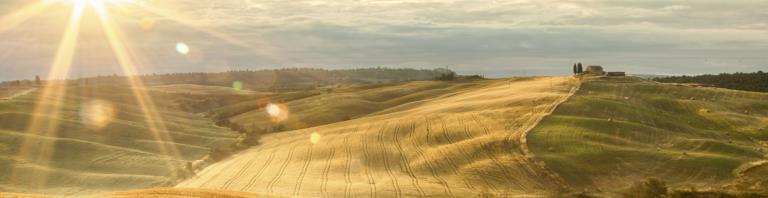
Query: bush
[
  {"x": 220, "y": 153},
  {"x": 713, "y": 194},
  {"x": 448, "y": 76},
  {"x": 650, "y": 188}
]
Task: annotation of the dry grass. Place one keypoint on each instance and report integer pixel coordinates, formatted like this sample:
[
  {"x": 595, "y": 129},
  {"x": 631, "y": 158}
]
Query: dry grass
[{"x": 458, "y": 144}]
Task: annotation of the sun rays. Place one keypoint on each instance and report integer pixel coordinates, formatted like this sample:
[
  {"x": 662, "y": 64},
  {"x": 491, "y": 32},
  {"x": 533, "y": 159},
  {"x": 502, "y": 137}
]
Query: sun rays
[
  {"x": 49, "y": 104},
  {"x": 127, "y": 64},
  {"x": 14, "y": 19},
  {"x": 46, "y": 114}
]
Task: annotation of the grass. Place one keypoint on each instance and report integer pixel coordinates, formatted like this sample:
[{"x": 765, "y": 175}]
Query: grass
[
  {"x": 617, "y": 131},
  {"x": 83, "y": 159}
]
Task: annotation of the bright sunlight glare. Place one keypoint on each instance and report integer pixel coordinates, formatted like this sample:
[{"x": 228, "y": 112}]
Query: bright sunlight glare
[{"x": 106, "y": 2}]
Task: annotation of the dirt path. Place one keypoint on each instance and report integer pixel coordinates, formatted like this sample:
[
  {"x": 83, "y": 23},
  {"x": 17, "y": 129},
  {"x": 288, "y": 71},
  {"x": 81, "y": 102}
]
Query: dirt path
[{"x": 18, "y": 94}]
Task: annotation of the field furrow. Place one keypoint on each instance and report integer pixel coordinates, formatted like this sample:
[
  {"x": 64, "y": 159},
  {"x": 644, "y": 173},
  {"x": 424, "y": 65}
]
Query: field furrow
[
  {"x": 281, "y": 171},
  {"x": 259, "y": 172},
  {"x": 386, "y": 162},
  {"x": 347, "y": 168},
  {"x": 420, "y": 153},
  {"x": 300, "y": 179},
  {"x": 326, "y": 171},
  {"x": 404, "y": 163}
]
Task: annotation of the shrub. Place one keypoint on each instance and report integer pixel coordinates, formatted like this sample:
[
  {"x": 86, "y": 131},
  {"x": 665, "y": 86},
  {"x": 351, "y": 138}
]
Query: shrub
[
  {"x": 221, "y": 152},
  {"x": 714, "y": 194},
  {"x": 650, "y": 188}
]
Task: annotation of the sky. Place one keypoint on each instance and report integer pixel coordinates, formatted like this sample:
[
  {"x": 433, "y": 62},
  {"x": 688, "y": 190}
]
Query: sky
[{"x": 495, "y": 38}]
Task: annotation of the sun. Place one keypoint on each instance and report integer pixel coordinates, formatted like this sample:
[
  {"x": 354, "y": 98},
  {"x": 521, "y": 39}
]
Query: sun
[{"x": 106, "y": 2}]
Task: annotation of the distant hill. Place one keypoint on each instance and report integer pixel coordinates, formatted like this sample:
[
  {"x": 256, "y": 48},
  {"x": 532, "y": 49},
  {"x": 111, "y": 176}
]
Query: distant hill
[
  {"x": 282, "y": 79},
  {"x": 649, "y": 76},
  {"x": 755, "y": 81}
]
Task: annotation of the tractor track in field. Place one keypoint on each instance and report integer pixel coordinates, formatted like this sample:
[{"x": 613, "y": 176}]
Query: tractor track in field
[
  {"x": 218, "y": 174},
  {"x": 453, "y": 164},
  {"x": 420, "y": 152},
  {"x": 463, "y": 153},
  {"x": 494, "y": 159},
  {"x": 528, "y": 155},
  {"x": 367, "y": 156},
  {"x": 404, "y": 163},
  {"x": 387, "y": 167},
  {"x": 326, "y": 169},
  {"x": 253, "y": 179},
  {"x": 280, "y": 173},
  {"x": 474, "y": 118},
  {"x": 300, "y": 179},
  {"x": 239, "y": 172},
  {"x": 347, "y": 168}
]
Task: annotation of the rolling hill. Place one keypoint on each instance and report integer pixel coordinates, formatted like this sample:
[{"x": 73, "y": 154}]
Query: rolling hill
[
  {"x": 463, "y": 142},
  {"x": 539, "y": 136},
  {"x": 82, "y": 157},
  {"x": 617, "y": 131}
]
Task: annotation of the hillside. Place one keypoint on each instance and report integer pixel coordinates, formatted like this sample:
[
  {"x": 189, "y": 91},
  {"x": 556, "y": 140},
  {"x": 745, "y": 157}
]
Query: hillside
[
  {"x": 617, "y": 131},
  {"x": 458, "y": 143},
  {"x": 100, "y": 141}
]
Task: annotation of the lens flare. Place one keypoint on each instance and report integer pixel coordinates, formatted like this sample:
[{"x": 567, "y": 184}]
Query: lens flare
[
  {"x": 237, "y": 85},
  {"x": 147, "y": 23},
  {"x": 314, "y": 138},
  {"x": 278, "y": 112},
  {"x": 182, "y": 48},
  {"x": 97, "y": 114}
]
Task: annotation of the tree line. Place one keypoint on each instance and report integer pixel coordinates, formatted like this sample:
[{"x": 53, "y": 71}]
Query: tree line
[{"x": 755, "y": 81}]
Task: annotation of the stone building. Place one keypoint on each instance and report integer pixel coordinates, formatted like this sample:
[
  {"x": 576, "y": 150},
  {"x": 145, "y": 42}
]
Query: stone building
[
  {"x": 616, "y": 74},
  {"x": 594, "y": 70}
]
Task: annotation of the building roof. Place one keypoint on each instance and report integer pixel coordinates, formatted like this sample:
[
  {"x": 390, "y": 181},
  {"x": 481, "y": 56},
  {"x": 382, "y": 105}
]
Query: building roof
[{"x": 594, "y": 67}]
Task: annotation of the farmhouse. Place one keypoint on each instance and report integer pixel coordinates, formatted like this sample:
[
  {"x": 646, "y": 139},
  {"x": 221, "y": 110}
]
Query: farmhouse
[{"x": 595, "y": 70}]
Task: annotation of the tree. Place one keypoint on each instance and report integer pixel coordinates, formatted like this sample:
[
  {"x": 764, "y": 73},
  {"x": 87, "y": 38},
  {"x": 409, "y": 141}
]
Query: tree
[
  {"x": 756, "y": 81},
  {"x": 449, "y": 76},
  {"x": 580, "y": 69},
  {"x": 575, "y": 69},
  {"x": 37, "y": 80}
]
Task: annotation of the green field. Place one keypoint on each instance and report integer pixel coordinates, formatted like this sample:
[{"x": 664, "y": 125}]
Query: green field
[
  {"x": 617, "y": 131},
  {"x": 84, "y": 159}
]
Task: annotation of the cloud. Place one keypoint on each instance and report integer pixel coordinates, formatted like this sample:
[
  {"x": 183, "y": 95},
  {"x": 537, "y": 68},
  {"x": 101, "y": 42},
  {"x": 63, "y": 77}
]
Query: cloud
[{"x": 509, "y": 37}]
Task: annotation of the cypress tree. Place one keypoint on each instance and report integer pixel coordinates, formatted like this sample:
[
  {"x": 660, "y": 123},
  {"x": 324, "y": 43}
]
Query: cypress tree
[
  {"x": 580, "y": 69},
  {"x": 575, "y": 69}
]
